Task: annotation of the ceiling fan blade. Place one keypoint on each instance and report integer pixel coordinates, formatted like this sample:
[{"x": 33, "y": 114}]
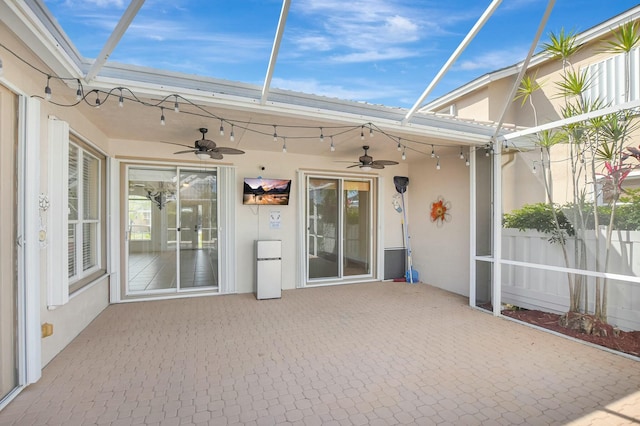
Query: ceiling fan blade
[
  {"x": 376, "y": 166},
  {"x": 227, "y": 150},
  {"x": 177, "y": 144},
  {"x": 215, "y": 155},
  {"x": 385, "y": 162},
  {"x": 184, "y": 152},
  {"x": 355, "y": 165}
]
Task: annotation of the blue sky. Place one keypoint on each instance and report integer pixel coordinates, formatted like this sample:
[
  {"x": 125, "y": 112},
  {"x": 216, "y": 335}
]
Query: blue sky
[{"x": 381, "y": 52}]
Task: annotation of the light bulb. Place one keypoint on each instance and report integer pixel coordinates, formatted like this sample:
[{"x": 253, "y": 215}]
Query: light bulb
[
  {"x": 399, "y": 147},
  {"x": 438, "y": 165},
  {"x": 466, "y": 162},
  {"x": 232, "y": 137},
  {"x": 461, "y": 154},
  {"x": 221, "y": 129},
  {"x": 79, "y": 92},
  {"x": 321, "y": 135},
  {"x": 534, "y": 171},
  {"x": 120, "y": 100},
  {"x": 176, "y": 107},
  {"x": 162, "y": 122},
  {"x": 284, "y": 147},
  {"x": 362, "y": 133},
  {"x": 433, "y": 152},
  {"x": 365, "y": 168},
  {"x": 203, "y": 155},
  {"x": 332, "y": 148},
  {"x": 97, "y": 99},
  {"x": 404, "y": 155},
  {"x": 370, "y": 131},
  {"x": 275, "y": 134},
  {"x": 47, "y": 90}
]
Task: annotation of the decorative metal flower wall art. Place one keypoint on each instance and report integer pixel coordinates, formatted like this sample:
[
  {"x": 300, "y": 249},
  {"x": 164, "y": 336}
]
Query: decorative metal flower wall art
[{"x": 440, "y": 211}]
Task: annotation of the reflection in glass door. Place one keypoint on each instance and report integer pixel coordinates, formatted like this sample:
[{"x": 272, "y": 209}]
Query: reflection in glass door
[
  {"x": 198, "y": 229},
  {"x": 322, "y": 227},
  {"x": 357, "y": 227},
  {"x": 171, "y": 232},
  {"x": 9, "y": 324},
  {"x": 339, "y": 228}
]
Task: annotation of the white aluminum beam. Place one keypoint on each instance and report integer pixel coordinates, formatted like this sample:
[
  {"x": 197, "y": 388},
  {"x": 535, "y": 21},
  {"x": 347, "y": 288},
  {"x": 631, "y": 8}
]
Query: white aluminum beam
[
  {"x": 274, "y": 51},
  {"x": 114, "y": 38},
  {"x": 525, "y": 65},
  {"x": 463, "y": 45},
  {"x": 571, "y": 120}
]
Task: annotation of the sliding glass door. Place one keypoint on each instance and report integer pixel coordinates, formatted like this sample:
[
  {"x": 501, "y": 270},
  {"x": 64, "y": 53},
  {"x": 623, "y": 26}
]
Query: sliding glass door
[
  {"x": 339, "y": 232},
  {"x": 171, "y": 233}
]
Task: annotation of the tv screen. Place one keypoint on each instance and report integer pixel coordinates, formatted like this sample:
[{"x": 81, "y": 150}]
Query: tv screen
[{"x": 260, "y": 191}]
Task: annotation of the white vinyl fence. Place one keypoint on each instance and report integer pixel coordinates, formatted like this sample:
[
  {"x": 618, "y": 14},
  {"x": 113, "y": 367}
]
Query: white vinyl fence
[{"x": 547, "y": 290}]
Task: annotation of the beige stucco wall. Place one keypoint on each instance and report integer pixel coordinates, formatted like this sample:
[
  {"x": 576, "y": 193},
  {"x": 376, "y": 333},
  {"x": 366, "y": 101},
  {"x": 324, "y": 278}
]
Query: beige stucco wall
[
  {"x": 252, "y": 222},
  {"x": 440, "y": 254},
  {"x": 73, "y": 317}
]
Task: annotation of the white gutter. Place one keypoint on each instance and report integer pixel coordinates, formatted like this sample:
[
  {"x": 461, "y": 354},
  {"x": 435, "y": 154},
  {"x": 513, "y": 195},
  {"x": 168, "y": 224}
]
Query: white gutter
[
  {"x": 22, "y": 20},
  {"x": 114, "y": 38},
  {"x": 274, "y": 51},
  {"x": 463, "y": 45}
]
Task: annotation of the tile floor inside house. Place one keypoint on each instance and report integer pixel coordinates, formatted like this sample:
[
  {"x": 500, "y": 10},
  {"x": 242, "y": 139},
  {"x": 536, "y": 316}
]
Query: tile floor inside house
[{"x": 377, "y": 353}]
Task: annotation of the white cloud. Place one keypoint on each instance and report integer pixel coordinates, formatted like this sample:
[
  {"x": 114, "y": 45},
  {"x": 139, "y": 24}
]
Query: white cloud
[
  {"x": 492, "y": 60},
  {"x": 356, "y": 90}
]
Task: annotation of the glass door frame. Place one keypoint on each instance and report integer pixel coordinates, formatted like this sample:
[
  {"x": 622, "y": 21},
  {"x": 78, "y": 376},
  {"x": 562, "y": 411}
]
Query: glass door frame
[
  {"x": 374, "y": 229},
  {"x": 126, "y": 293}
]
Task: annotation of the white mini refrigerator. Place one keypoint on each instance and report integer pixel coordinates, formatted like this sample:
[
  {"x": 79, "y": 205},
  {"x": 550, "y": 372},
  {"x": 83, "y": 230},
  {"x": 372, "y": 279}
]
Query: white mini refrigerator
[{"x": 268, "y": 269}]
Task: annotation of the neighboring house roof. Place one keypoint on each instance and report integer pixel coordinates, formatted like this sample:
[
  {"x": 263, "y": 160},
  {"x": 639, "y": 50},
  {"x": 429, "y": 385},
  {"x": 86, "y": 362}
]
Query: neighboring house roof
[{"x": 591, "y": 34}]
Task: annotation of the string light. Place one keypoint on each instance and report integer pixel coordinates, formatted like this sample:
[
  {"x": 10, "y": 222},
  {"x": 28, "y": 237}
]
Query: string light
[
  {"x": 461, "y": 154},
  {"x": 466, "y": 162},
  {"x": 47, "y": 89},
  {"x": 284, "y": 144},
  {"x": 332, "y": 148},
  {"x": 404, "y": 155},
  {"x": 205, "y": 113},
  {"x": 162, "y": 122},
  {"x": 79, "y": 91},
  {"x": 438, "y": 164},
  {"x": 534, "y": 170}
]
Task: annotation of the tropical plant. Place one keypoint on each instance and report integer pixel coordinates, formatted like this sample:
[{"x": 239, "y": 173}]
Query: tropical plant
[{"x": 598, "y": 163}]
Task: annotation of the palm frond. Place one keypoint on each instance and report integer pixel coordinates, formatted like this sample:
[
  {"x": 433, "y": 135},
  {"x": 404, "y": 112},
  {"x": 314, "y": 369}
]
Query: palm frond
[{"x": 627, "y": 37}]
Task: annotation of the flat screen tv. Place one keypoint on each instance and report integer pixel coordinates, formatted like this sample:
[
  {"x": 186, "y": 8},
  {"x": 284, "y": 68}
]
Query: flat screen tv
[{"x": 261, "y": 191}]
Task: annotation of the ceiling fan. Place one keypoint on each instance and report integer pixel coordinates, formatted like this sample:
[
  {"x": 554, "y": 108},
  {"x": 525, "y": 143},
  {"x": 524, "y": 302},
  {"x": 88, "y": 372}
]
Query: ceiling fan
[
  {"x": 366, "y": 162},
  {"x": 206, "y": 148}
]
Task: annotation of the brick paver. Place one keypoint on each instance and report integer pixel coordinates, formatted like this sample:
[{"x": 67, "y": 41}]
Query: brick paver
[{"x": 375, "y": 353}]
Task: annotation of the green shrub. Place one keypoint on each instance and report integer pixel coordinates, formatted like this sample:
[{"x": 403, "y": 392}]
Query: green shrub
[{"x": 539, "y": 216}]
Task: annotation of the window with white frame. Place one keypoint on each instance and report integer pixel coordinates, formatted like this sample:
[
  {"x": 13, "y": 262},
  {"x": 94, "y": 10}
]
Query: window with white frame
[
  {"x": 85, "y": 221},
  {"x": 607, "y": 79}
]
